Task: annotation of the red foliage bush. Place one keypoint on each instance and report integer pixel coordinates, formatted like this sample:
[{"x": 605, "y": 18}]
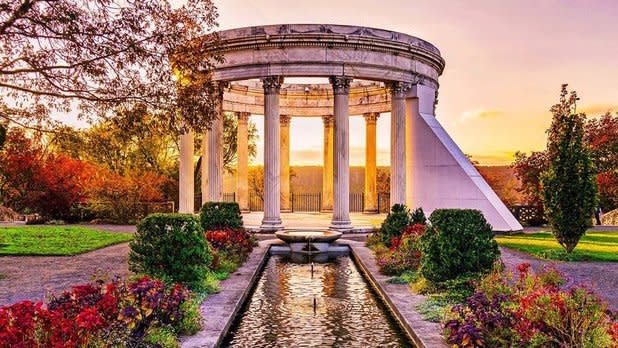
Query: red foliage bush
[
  {"x": 404, "y": 253},
  {"x": 93, "y": 314},
  {"x": 234, "y": 241},
  {"x": 530, "y": 311}
]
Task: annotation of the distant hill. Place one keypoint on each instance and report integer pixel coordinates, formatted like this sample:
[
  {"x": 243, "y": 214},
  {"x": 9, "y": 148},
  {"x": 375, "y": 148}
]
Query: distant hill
[{"x": 308, "y": 179}]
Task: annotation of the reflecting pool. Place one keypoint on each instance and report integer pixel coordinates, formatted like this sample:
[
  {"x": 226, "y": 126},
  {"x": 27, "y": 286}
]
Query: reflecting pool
[{"x": 333, "y": 306}]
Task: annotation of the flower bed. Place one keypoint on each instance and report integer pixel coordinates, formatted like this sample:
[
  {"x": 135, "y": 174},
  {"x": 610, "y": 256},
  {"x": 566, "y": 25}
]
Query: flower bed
[
  {"x": 530, "y": 311},
  {"x": 231, "y": 248},
  {"x": 404, "y": 252},
  {"x": 102, "y": 314}
]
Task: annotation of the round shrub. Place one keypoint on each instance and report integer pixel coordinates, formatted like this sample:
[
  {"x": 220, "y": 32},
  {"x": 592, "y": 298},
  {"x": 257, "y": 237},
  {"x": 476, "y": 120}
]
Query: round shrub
[
  {"x": 172, "y": 247},
  {"x": 458, "y": 244},
  {"x": 218, "y": 215}
]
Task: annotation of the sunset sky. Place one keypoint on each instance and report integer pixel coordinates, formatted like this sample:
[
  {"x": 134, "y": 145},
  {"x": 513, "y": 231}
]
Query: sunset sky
[{"x": 505, "y": 61}]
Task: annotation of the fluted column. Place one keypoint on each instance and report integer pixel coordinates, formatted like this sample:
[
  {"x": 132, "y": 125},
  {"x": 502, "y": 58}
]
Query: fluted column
[
  {"x": 284, "y": 134},
  {"x": 327, "y": 168},
  {"x": 215, "y": 160},
  {"x": 272, "y": 169},
  {"x": 242, "y": 165},
  {"x": 185, "y": 174},
  {"x": 412, "y": 114},
  {"x": 398, "y": 141},
  {"x": 371, "y": 171},
  {"x": 204, "y": 168},
  {"x": 341, "y": 206},
  {"x": 215, "y": 151}
]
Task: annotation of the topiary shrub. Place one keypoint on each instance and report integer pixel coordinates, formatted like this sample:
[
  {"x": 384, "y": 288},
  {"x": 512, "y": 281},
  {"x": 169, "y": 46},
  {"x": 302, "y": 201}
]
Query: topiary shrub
[
  {"x": 171, "y": 247},
  {"x": 458, "y": 244},
  {"x": 394, "y": 224},
  {"x": 218, "y": 215}
]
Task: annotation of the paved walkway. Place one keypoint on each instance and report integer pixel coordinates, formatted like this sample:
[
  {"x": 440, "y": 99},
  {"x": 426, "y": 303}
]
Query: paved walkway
[
  {"x": 602, "y": 277},
  {"x": 34, "y": 277},
  {"x": 314, "y": 220}
]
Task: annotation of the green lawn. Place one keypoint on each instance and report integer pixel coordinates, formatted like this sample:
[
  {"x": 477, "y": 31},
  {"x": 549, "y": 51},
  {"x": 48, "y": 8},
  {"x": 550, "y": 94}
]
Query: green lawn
[
  {"x": 55, "y": 240},
  {"x": 594, "y": 246}
]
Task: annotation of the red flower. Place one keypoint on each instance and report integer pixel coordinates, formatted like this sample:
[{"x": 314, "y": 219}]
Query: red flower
[{"x": 89, "y": 319}]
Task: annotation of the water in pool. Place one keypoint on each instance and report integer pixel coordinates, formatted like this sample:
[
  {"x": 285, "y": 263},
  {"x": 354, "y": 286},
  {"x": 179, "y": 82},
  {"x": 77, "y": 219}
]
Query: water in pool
[{"x": 334, "y": 307}]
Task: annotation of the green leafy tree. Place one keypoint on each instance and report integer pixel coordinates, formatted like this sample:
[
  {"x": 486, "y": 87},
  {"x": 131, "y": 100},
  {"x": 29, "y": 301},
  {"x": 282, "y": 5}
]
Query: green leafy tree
[{"x": 569, "y": 187}]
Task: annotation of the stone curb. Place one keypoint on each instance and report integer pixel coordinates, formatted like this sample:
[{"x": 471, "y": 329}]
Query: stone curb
[{"x": 399, "y": 299}]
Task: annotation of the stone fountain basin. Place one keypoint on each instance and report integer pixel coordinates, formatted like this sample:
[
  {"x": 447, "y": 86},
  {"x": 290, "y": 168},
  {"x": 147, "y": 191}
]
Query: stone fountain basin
[{"x": 308, "y": 236}]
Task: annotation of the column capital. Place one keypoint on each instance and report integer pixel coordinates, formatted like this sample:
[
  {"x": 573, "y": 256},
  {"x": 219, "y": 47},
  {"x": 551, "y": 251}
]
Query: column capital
[
  {"x": 284, "y": 120},
  {"x": 371, "y": 117},
  {"x": 398, "y": 88},
  {"x": 328, "y": 120},
  {"x": 341, "y": 84},
  {"x": 272, "y": 84},
  {"x": 243, "y": 116}
]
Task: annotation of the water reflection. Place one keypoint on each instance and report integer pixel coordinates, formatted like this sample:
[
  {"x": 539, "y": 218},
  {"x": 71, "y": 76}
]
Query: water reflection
[{"x": 335, "y": 308}]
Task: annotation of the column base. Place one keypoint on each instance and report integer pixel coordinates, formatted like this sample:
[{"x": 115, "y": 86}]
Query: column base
[
  {"x": 370, "y": 211},
  {"x": 245, "y": 210},
  {"x": 341, "y": 226},
  {"x": 286, "y": 210},
  {"x": 271, "y": 225},
  {"x": 326, "y": 210}
]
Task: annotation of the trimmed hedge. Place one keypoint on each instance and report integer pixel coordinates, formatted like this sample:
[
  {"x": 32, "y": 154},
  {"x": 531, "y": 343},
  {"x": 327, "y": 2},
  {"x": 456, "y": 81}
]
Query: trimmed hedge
[
  {"x": 458, "y": 244},
  {"x": 171, "y": 247},
  {"x": 219, "y": 215}
]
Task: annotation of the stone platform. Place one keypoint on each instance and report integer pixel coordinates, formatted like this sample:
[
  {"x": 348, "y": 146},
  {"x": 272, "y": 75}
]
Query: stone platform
[{"x": 362, "y": 223}]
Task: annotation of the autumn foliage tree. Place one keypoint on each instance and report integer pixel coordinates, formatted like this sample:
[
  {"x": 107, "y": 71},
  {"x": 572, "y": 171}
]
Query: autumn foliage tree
[
  {"x": 602, "y": 138},
  {"x": 33, "y": 181},
  {"x": 98, "y": 55},
  {"x": 569, "y": 188}
]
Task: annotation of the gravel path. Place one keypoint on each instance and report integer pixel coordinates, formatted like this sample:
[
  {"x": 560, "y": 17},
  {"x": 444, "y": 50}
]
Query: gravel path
[
  {"x": 33, "y": 277},
  {"x": 600, "y": 276}
]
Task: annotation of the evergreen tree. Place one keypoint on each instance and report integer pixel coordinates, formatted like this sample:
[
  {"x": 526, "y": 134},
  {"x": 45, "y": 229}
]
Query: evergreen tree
[{"x": 568, "y": 184}]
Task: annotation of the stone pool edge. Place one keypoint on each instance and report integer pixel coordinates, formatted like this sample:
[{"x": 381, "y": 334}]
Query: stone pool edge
[
  {"x": 220, "y": 309},
  {"x": 398, "y": 298}
]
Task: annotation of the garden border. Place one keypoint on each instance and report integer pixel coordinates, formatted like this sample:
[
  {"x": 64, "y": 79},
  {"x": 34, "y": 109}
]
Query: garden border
[
  {"x": 219, "y": 310},
  {"x": 399, "y": 299}
]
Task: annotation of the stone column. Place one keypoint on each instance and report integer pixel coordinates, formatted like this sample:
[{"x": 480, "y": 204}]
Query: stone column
[
  {"x": 215, "y": 151},
  {"x": 284, "y": 129},
  {"x": 398, "y": 141},
  {"x": 371, "y": 171},
  {"x": 215, "y": 160},
  {"x": 204, "y": 168},
  {"x": 412, "y": 113},
  {"x": 341, "y": 206},
  {"x": 242, "y": 166},
  {"x": 185, "y": 175},
  {"x": 272, "y": 168},
  {"x": 327, "y": 168}
]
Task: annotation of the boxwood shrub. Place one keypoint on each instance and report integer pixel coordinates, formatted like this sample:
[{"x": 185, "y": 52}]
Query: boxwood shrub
[
  {"x": 458, "y": 244},
  {"x": 218, "y": 215},
  {"x": 171, "y": 247}
]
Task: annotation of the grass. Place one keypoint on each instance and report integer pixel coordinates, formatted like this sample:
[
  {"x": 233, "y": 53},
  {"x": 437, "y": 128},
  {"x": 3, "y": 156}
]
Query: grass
[
  {"x": 56, "y": 240},
  {"x": 594, "y": 246}
]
